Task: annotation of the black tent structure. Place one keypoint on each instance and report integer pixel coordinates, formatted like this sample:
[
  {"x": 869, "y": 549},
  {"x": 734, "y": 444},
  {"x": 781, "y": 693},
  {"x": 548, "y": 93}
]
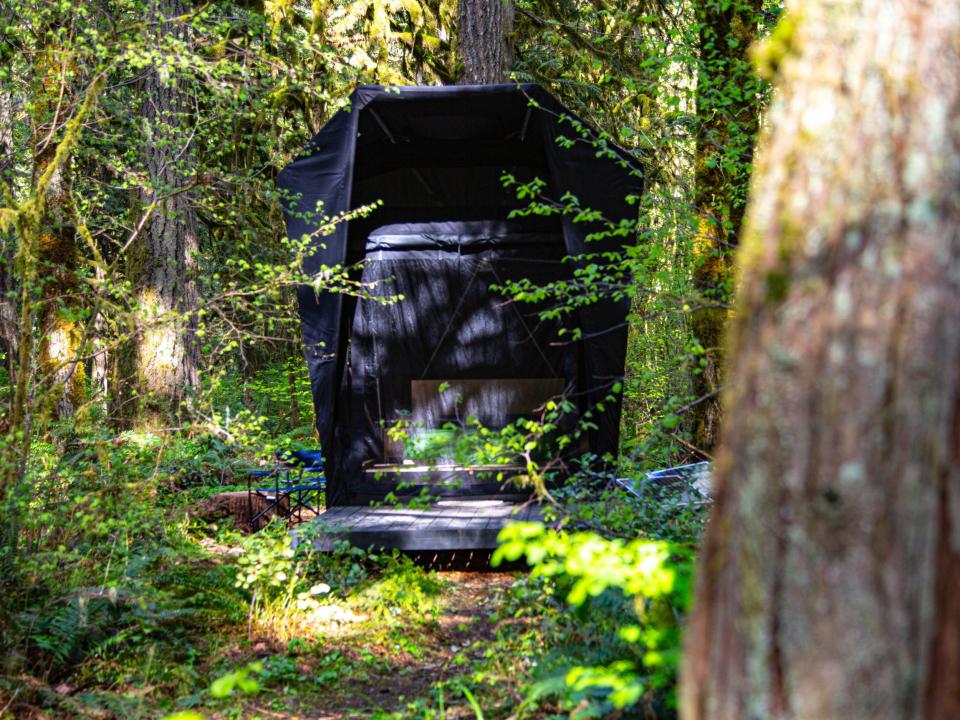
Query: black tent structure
[{"x": 443, "y": 234}]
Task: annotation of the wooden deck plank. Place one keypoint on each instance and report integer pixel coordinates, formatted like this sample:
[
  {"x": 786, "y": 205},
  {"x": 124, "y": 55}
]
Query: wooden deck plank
[{"x": 446, "y": 525}]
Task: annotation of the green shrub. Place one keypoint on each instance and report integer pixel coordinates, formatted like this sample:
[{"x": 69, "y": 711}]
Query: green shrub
[{"x": 623, "y": 602}]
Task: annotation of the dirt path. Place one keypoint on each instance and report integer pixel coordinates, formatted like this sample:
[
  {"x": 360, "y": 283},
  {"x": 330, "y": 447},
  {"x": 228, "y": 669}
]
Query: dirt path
[{"x": 386, "y": 669}]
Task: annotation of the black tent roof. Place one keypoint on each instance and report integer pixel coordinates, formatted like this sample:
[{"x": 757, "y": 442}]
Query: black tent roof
[{"x": 435, "y": 157}]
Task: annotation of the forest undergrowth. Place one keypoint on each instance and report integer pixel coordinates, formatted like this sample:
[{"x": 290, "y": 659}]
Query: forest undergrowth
[
  {"x": 139, "y": 603},
  {"x": 197, "y": 620}
]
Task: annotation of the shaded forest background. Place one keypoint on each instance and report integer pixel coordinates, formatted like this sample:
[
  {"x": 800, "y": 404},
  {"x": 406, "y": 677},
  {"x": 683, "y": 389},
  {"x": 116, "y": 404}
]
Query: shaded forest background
[{"x": 147, "y": 137}]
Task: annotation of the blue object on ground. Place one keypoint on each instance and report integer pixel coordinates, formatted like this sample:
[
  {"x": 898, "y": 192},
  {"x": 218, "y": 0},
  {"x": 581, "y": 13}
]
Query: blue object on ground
[
  {"x": 308, "y": 459},
  {"x": 682, "y": 484},
  {"x": 297, "y": 475}
]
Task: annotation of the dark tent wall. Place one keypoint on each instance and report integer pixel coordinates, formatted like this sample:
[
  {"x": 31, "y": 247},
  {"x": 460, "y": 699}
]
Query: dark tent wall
[
  {"x": 434, "y": 156},
  {"x": 450, "y": 329}
]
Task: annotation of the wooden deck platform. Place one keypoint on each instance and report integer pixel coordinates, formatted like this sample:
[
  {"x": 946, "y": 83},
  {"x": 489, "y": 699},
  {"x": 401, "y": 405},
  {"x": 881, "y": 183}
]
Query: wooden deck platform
[{"x": 445, "y": 525}]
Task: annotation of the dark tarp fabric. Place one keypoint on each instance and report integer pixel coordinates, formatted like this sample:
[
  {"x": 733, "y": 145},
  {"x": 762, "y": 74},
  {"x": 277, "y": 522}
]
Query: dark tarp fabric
[{"x": 434, "y": 157}]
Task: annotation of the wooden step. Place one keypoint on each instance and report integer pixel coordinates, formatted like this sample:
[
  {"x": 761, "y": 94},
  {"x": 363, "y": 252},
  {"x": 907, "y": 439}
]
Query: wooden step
[{"x": 444, "y": 525}]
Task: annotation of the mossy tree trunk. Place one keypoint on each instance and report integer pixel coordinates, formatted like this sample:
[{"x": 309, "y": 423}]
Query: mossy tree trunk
[
  {"x": 163, "y": 263},
  {"x": 63, "y": 374},
  {"x": 8, "y": 285},
  {"x": 830, "y": 572},
  {"x": 32, "y": 221},
  {"x": 728, "y": 100},
  {"x": 483, "y": 41}
]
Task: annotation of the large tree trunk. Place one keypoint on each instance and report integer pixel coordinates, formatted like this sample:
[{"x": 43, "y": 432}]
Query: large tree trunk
[
  {"x": 483, "y": 40},
  {"x": 728, "y": 113},
  {"x": 163, "y": 266},
  {"x": 830, "y": 577},
  {"x": 8, "y": 241},
  {"x": 64, "y": 376}
]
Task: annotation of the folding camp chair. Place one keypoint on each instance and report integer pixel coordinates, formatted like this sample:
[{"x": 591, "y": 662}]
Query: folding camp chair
[{"x": 297, "y": 479}]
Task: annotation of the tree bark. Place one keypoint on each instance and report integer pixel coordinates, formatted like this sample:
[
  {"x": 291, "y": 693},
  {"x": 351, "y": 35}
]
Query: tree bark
[
  {"x": 163, "y": 264},
  {"x": 64, "y": 376},
  {"x": 830, "y": 572},
  {"x": 8, "y": 242},
  {"x": 483, "y": 42},
  {"x": 728, "y": 113}
]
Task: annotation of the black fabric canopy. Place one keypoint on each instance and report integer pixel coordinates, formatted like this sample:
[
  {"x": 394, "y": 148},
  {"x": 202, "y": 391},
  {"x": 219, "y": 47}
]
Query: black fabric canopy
[{"x": 434, "y": 157}]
